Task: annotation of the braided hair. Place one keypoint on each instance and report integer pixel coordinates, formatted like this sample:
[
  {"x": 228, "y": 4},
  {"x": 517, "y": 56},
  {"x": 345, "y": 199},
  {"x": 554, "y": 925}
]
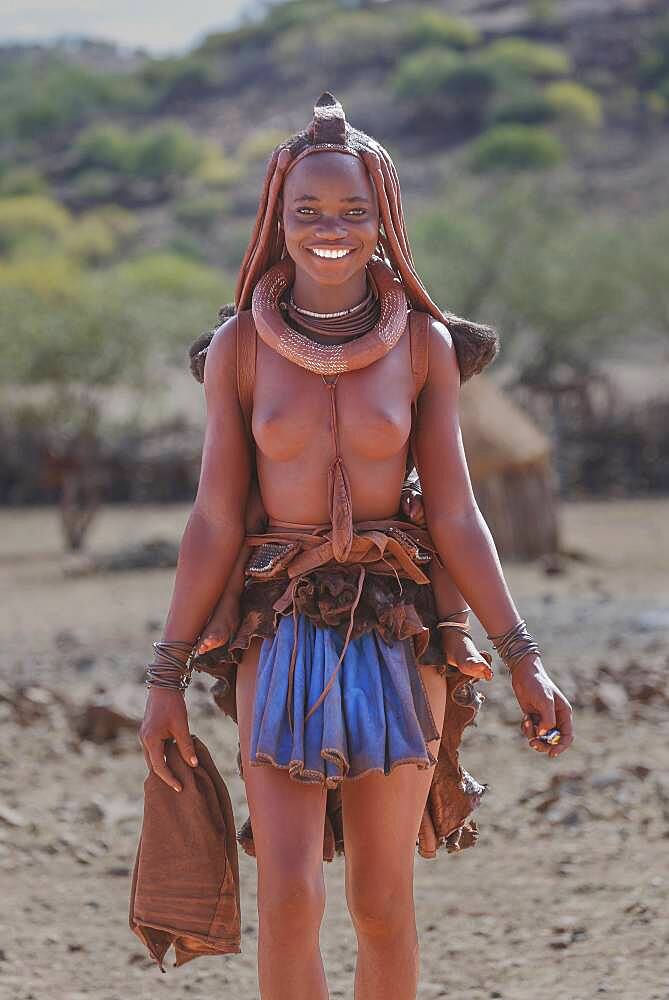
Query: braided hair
[{"x": 475, "y": 343}]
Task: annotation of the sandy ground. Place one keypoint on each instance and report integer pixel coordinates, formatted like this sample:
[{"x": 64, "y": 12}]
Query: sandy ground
[{"x": 565, "y": 894}]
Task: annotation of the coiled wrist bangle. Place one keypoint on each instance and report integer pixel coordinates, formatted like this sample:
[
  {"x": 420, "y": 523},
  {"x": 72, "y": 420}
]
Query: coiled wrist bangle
[
  {"x": 459, "y": 627},
  {"x": 171, "y": 671},
  {"x": 513, "y": 645},
  {"x": 447, "y": 619}
]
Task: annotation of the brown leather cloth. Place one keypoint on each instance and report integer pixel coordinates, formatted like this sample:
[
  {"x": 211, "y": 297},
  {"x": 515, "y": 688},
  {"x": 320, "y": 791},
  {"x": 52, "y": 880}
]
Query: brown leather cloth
[
  {"x": 304, "y": 577},
  {"x": 185, "y": 881}
]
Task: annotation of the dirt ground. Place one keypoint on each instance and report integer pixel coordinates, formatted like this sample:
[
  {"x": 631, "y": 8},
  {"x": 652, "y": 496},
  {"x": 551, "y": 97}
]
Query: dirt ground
[{"x": 564, "y": 896}]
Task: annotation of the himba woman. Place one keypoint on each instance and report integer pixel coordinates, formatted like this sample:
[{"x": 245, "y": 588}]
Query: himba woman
[{"x": 337, "y": 592}]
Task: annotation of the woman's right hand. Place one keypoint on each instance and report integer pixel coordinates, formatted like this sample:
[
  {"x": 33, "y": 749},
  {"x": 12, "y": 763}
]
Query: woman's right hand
[{"x": 165, "y": 718}]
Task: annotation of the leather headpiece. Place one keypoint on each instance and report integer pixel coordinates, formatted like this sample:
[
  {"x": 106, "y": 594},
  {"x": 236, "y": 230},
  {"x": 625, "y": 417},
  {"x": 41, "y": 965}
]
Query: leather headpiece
[{"x": 327, "y": 130}]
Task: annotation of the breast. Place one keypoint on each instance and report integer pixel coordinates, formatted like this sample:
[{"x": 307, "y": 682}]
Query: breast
[
  {"x": 291, "y": 409},
  {"x": 286, "y": 431}
]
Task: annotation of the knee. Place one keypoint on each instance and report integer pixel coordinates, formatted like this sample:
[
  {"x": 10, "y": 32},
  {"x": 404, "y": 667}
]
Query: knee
[
  {"x": 381, "y": 912},
  {"x": 290, "y": 902}
]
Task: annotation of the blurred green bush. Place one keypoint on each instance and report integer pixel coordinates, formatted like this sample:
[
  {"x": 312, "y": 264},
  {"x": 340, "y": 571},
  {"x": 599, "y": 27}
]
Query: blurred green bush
[
  {"x": 162, "y": 152},
  {"x": 341, "y": 42},
  {"x": 575, "y": 104},
  {"x": 516, "y": 147},
  {"x": 22, "y": 180},
  {"x": 524, "y": 58},
  {"x": 424, "y": 75},
  {"x": 278, "y": 20},
  {"x": 201, "y": 212},
  {"x": 189, "y": 76},
  {"x": 113, "y": 324},
  {"x": 434, "y": 27},
  {"x": 529, "y": 108},
  {"x": 29, "y": 219},
  {"x": 67, "y": 93},
  {"x": 257, "y": 146},
  {"x": 439, "y": 87}
]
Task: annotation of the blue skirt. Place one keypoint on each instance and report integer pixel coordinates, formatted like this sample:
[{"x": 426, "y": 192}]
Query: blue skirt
[{"x": 375, "y": 716}]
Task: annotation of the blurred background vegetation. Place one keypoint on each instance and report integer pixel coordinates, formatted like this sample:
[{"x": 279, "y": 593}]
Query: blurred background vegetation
[{"x": 531, "y": 139}]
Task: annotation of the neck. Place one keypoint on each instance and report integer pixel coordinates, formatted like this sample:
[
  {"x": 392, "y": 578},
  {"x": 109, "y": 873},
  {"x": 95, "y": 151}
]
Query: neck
[{"x": 317, "y": 297}]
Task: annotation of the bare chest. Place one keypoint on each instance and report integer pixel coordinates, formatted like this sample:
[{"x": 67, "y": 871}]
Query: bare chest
[{"x": 292, "y": 410}]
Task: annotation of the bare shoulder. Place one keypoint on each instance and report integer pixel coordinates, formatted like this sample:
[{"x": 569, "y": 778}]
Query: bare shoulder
[
  {"x": 443, "y": 370},
  {"x": 221, "y": 357}
]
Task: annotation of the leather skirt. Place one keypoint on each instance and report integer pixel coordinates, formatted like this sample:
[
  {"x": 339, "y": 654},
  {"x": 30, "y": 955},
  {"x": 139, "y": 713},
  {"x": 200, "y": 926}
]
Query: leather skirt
[{"x": 375, "y": 713}]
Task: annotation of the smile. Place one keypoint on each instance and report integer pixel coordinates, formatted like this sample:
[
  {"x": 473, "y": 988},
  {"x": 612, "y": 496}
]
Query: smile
[{"x": 330, "y": 254}]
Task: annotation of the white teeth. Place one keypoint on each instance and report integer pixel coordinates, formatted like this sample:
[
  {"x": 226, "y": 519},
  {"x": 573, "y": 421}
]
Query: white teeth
[{"x": 329, "y": 253}]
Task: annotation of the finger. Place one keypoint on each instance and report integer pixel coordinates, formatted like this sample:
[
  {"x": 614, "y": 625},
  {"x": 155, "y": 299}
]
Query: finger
[
  {"x": 530, "y": 729},
  {"x": 419, "y": 508},
  {"x": 563, "y": 712},
  {"x": 488, "y": 659},
  {"x": 476, "y": 667},
  {"x": 185, "y": 745},
  {"x": 527, "y": 727},
  {"x": 213, "y": 641},
  {"x": 547, "y": 716},
  {"x": 155, "y": 750}
]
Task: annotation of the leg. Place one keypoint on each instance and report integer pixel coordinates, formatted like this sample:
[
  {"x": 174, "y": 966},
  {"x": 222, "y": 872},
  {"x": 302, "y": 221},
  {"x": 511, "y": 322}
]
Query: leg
[
  {"x": 288, "y": 820},
  {"x": 381, "y": 816}
]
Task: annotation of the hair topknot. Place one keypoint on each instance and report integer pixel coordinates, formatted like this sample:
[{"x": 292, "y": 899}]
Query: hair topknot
[
  {"x": 329, "y": 122},
  {"x": 476, "y": 344}
]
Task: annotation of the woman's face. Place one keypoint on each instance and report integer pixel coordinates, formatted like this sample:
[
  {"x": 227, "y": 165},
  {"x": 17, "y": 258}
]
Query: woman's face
[{"x": 329, "y": 204}]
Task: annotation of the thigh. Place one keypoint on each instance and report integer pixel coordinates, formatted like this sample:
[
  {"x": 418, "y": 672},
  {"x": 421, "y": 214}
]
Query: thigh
[
  {"x": 382, "y": 813},
  {"x": 287, "y": 816}
]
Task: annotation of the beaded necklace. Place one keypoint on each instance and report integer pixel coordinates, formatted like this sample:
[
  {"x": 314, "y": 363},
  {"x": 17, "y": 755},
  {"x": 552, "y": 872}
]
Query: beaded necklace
[{"x": 348, "y": 324}]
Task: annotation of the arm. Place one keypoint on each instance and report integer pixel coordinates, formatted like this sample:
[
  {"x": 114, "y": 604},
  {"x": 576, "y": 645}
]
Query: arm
[
  {"x": 458, "y": 649},
  {"x": 255, "y": 522},
  {"x": 225, "y": 617},
  {"x": 210, "y": 543},
  {"x": 463, "y": 540},
  {"x": 215, "y": 528}
]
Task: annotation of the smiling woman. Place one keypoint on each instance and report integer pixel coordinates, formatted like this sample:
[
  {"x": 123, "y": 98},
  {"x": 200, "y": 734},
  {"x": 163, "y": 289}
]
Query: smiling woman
[{"x": 334, "y": 615}]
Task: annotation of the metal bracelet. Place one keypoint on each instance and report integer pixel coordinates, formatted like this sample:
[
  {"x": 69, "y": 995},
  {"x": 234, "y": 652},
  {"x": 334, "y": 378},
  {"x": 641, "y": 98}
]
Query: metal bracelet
[
  {"x": 171, "y": 671},
  {"x": 458, "y": 626},
  {"x": 513, "y": 645},
  {"x": 453, "y": 614}
]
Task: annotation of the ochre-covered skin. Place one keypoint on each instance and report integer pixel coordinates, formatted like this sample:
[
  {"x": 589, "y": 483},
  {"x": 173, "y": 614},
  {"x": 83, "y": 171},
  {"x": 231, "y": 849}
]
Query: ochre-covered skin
[
  {"x": 291, "y": 426},
  {"x": 318, "y": 198}
]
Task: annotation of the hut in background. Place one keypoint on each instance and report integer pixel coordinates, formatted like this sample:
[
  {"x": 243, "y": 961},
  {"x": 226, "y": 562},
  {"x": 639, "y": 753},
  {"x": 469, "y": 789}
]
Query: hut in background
[{"x": 510, "y": 464}]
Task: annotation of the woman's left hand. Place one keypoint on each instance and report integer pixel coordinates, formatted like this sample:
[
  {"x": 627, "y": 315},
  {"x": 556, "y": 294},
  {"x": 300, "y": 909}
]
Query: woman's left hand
[
  {"x": 545, "y": 707},
  {"x": 222, "y": 625},
  {"x": 461, "y": 652},
  {"x": 411, "y": 505}
]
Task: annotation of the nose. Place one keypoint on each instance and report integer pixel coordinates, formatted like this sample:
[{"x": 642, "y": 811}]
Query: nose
[{"x": 330, "y": 229}]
